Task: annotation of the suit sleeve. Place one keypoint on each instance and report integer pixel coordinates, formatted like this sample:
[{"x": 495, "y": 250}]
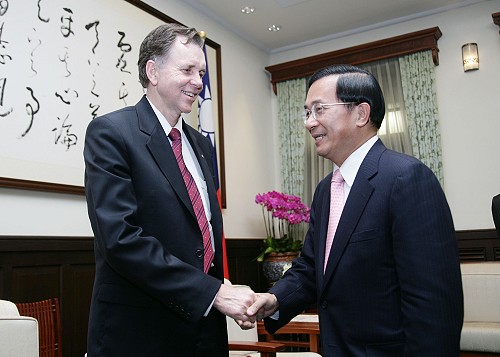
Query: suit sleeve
[
  {"x": 427, "y": 264},
  {"x": 297, "y": 289}
]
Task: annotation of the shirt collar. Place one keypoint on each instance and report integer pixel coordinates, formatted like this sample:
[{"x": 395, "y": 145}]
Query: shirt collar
[
  {"x": 351, "y": 165},
  {"x": 164, "y": 122}
]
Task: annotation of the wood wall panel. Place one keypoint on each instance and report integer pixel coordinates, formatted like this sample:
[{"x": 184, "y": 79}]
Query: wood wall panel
[
  {"x": 243, "y": 268},
  {"x": 37, "y": 268},
  {"x": 478, "y": 245},
  {"x": 77, "y": 292},
  {"x": 34, "y": 283}
]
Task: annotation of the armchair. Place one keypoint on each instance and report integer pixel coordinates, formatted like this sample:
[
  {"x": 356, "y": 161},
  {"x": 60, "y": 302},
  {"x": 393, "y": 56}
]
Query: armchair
[
  {"x": 47, "y": 312},
  {"x": 481, "y": 328},
  {"x": 18, "y": 334}
]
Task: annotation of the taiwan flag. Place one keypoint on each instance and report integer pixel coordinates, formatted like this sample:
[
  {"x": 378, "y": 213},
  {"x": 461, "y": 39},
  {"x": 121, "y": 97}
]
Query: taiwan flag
[{"x": 206, "y": 126}]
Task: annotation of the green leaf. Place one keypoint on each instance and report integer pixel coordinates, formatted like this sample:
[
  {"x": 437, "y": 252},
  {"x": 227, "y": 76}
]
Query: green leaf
[{"x": 279, "y": 245}]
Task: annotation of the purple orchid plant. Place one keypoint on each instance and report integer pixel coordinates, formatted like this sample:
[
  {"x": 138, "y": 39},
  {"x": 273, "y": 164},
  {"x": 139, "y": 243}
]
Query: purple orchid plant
[{"x": 283, "y": 215}]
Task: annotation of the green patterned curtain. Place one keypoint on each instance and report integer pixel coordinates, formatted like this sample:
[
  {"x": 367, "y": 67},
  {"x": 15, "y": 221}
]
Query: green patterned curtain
[
  {"x": 291, "y": 98},
  {"x": 418, "y": 80}
]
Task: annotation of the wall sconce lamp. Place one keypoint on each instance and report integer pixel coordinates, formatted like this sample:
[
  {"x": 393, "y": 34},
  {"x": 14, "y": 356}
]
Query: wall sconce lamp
[{"x": 470, "y": 57}]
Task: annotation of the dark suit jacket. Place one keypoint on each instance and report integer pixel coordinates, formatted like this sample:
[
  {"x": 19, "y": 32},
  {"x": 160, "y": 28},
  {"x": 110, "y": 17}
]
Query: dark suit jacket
[
  {"x": 150, "y": 292},
  {"x": 392, "y": 285}
]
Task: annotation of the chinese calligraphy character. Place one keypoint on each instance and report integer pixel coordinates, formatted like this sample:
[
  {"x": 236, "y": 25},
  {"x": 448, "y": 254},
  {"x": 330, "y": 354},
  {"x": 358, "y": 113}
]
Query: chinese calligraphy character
[
  {"x": 3, "y": 56},
  {"x": 124, "y": 47},
  {"x": 65, "y": 99},
  {"x": 123, "y": 93},
  {"x": 31, "y": 111},
  {"x": 88, "y": 27},
  {"x": 3, "y": 82},
  {"x": 66, "y": 28},
  {"x": 63, "y": 134},
  {"x": 4, "y": 6},
  {"x": 65, "y": 61},
  {"x": 39, "y": 12},
  {"x": 33, "y": 53},
  {"x": 95, "y": 108}
]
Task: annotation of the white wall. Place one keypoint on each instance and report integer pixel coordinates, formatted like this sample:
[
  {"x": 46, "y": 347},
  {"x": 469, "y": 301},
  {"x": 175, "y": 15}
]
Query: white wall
[
  {"x": 470, "y": 122},
  {"x": 467, "y": 102},
  {"x": 248, "y": 140}
]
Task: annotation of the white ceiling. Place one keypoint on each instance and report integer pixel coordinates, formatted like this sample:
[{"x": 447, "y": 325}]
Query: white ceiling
[{"x": 308, "y": 21}]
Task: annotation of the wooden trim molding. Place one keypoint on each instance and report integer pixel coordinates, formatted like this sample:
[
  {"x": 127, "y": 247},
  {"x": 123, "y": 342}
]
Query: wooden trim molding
[
  {"x": 478, "y": 245},
  {"x": 41, "y": 186},
  {"x": 373, "y": 51},
  {"x": 38, "y": 244},
  {"x": 496, "y": 18}
]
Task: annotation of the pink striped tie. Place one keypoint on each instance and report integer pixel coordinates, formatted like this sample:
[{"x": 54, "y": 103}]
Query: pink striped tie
[
  {"x": 195, "y": 197},
  {"x": 336, "y": 207}
]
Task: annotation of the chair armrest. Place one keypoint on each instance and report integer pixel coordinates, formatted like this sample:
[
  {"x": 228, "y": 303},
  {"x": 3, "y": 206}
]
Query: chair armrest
[
  {"x": 19, "y": 336},
  {"x": 266, "y": 349}
]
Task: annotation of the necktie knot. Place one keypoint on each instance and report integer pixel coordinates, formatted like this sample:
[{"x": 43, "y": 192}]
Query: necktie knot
[
  {"x": 337, "y": 177},
  {"x": 175, "y": 134}
]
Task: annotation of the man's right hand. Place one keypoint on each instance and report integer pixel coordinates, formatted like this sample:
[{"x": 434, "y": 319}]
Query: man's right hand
[{"x": 265, "y": 305}]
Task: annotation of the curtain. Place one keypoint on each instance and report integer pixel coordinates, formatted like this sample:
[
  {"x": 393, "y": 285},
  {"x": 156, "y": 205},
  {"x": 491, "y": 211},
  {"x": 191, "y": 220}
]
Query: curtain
[
  {"x": 394, "y": 130},
  {"x": 315, "y": 167},
  {"x": 291, "y": 98},
  {"x": 418, "y": 81}
]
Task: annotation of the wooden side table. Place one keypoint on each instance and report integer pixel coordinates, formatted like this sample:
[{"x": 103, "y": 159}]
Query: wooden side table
[{"x": 303, "y": 324}]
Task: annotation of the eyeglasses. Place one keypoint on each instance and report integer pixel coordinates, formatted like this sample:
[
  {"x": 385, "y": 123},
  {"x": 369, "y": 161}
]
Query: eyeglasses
[{"x": 317, "y": 110}]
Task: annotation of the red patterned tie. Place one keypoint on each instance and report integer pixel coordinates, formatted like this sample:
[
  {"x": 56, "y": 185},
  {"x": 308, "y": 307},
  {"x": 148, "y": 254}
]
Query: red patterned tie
[{"x": 195, "y": 197}]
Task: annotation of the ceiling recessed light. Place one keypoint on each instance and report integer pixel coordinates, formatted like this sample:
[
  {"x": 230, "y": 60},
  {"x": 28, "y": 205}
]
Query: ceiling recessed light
[
  {"x": 247, "y": 10},
  {"x": 274, "y": 28}
]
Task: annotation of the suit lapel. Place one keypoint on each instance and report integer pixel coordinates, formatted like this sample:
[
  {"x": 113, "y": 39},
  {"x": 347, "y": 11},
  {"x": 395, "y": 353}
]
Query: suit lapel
[
  {"x": 357, "y": 200},
  {"x": 161, "y": 150},
  {"x": 324, "y": 210},
  {"x": 202, "y": 160},
  {"x": 209, "y": 180}
]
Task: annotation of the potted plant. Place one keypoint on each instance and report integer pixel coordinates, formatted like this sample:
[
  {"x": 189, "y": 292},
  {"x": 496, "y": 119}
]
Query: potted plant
[{"x": 284, "y": 218}]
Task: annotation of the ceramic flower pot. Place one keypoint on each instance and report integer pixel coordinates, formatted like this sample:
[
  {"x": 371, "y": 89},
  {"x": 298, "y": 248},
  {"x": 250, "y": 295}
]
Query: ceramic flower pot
[{"x": 276, "y": 264}]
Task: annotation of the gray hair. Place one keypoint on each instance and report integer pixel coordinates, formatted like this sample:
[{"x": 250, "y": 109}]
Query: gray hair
[{"x": 158, "y": 42}]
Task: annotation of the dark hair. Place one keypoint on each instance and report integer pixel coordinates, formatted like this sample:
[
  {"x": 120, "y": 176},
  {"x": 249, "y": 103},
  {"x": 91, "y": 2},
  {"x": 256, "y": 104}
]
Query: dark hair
[
  {"x": 159, "y": 41},
  {"x": 356, "y": 85}
]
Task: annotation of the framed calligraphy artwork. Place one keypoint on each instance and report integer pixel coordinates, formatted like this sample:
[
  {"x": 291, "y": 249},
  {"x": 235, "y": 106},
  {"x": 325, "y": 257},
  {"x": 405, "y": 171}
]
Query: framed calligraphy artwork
[{"x": 62, "y": 63}]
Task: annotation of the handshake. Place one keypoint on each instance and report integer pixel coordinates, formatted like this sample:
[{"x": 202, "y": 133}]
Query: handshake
[{"x": 244, "y": 305}]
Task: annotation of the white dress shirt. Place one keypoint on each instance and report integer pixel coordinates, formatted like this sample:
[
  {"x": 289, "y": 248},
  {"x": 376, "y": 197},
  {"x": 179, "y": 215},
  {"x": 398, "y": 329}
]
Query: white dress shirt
[
  {"x": 192, "y": 165},
  {"x": 351, "y": 165}
]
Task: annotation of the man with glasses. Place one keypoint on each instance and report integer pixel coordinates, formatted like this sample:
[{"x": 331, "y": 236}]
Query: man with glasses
[{"x": 380, "y": 258}]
